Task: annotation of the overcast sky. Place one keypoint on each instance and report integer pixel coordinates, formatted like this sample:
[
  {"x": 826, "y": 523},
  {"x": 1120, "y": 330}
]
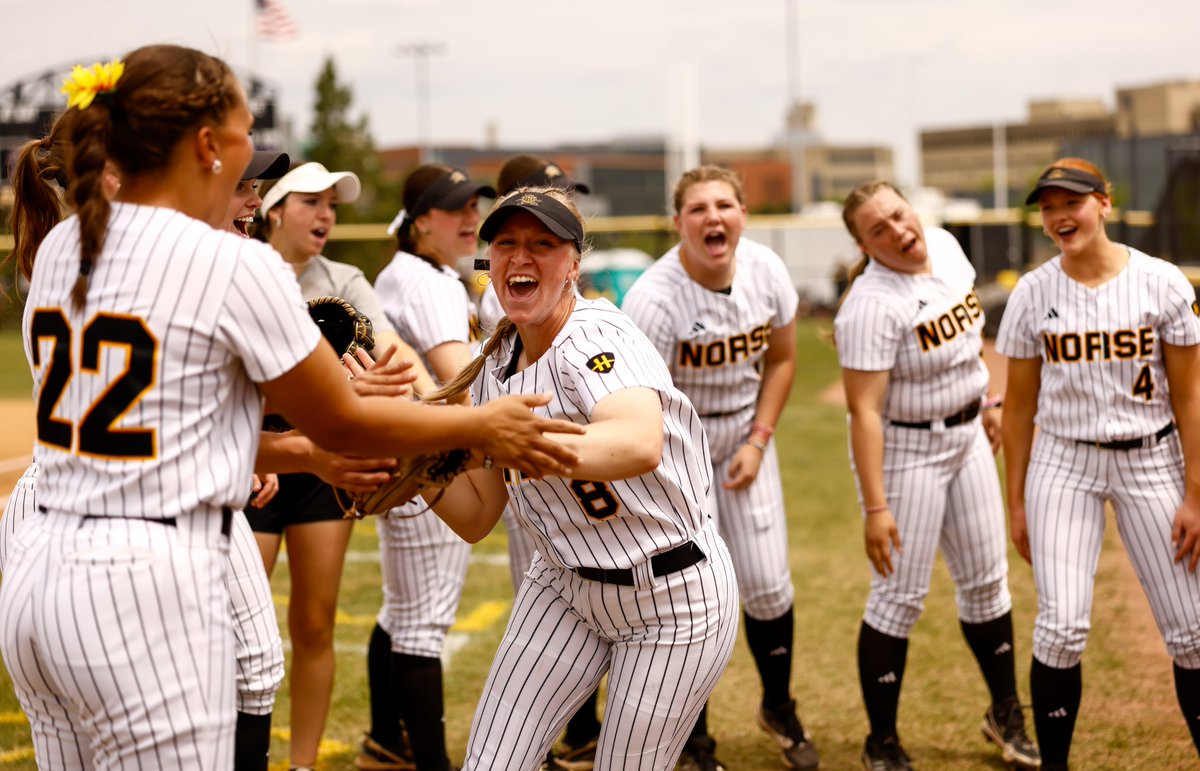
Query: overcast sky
[{"x": 549, "y": 71}]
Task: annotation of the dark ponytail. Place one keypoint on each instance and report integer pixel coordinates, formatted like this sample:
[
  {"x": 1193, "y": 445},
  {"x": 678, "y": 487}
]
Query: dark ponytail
[
  {"x": 37, "y": 204},
  {"x": 462, "y": 381}
]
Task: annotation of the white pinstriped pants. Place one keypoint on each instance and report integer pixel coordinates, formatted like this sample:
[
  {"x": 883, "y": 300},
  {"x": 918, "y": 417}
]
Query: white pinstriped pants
[
  {"x": 1065, "y": 491},
  {"x": 424, "y": 566},
  {"x": 664, "y": 647},
  {"x": 943, "y": 490},
  {"x": 753, "y": 521},
  {"x": 258, "y": 645},
  {"x": 117, "y": 636}
]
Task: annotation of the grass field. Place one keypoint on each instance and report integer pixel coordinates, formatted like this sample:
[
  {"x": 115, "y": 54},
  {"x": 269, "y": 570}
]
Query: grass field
[{"x": 1129, "y": 718}]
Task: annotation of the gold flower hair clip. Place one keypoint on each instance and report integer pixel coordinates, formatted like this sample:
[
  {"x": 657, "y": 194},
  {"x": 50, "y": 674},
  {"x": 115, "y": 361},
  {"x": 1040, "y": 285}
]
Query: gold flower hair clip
[{"x": 85, "y": 85}]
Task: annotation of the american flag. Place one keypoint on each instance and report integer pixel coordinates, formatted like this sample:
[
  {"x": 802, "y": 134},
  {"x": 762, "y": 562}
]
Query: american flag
[{"x": 274, "y": 22}]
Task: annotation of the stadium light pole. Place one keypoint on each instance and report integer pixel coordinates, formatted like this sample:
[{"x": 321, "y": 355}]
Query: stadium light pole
[
  {"x": 420, "y": 52},
  {"x": 795, "y": 136}
]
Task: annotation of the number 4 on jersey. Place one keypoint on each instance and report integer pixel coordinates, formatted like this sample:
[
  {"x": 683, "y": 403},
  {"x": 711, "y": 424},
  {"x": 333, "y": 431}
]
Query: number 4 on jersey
[
  {"x": 96, "y": 432},
  {"x": 1143, "y": 386}
]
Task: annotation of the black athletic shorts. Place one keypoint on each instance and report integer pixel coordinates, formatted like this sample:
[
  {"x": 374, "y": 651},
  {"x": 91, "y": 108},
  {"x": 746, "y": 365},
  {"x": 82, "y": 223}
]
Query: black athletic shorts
[{"x": 302, "y": 498}]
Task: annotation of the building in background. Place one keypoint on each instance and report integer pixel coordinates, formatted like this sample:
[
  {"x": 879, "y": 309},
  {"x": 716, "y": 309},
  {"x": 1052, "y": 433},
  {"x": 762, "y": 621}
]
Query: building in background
[{"x": 1136, "y": 144}]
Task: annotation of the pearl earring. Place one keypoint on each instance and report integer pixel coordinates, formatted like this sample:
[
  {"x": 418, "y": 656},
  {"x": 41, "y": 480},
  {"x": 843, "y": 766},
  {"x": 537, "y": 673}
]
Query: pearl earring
[{"x": 217, "y": 166}]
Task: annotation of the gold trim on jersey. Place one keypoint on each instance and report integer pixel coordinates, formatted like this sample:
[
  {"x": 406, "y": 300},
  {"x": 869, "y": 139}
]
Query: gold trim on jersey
[
  {"x": 1100, "y": 345},
  {"x": 725, "y": 352},
  {"x": 960, "y": 318}
]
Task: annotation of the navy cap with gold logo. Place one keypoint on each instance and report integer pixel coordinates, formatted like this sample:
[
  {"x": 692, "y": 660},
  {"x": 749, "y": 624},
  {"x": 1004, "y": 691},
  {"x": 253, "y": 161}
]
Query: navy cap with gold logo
[{"x": 1075, "y": 180}]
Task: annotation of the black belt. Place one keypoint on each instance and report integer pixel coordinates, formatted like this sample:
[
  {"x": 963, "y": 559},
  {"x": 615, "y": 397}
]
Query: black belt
[
  {"x": 226, "y": 519},
  {"x": 661, "y": 564},
  {"x": 1135, "y": 443},
  {"x": 726, "y": 414},
  {"x": 968, "y": 413}
]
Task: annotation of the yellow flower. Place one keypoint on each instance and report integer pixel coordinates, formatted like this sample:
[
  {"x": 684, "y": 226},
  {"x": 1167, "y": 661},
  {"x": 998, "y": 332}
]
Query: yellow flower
[{"x": 83, "y": 85}]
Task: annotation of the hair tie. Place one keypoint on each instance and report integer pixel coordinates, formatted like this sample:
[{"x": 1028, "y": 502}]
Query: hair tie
[
  {"x": 83, "y": 86},
  {"x": 85, "y": 267},
  {"x": 397, "y": 223}
]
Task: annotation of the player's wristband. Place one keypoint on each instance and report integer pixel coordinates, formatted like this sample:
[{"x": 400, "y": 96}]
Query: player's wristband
[
  {"x": 762, "y": 428},
  {"x": 875, "y": 509},
  {"x": 757, "y": 443},
  {"x": 992, "y": 403}
]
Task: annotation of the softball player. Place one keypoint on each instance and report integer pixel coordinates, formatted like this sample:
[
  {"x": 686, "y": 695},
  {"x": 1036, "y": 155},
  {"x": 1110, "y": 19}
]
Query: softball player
[
  {"x": 300, "y": 216},
  {"x": 146, "y": 353},
  {"x": 909, "y": 341},
  {"x": 721, "y": 311},
  {"x": 424, "y": 564},
  {"x": 1102, "y": 343},
  {"x": 258, "y": 646},
  {"x": 630, "y": 575}
]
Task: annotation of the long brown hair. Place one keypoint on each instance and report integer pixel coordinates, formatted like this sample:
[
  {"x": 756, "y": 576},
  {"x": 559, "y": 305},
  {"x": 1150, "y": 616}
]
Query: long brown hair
[
  {"x": 165, "y": 92},
  {"x": 37, "y": 181}
]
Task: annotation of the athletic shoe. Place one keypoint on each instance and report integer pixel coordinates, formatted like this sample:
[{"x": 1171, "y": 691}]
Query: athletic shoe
[
  {"x": 373, "y": 756},
  {"x": 885, "y": 755},
  {"x": 564, "y": 757},
  {"x": 1004, "y": 725},
  {"x": 698, "y": 755},
  {"x": 784, "y": 727}
]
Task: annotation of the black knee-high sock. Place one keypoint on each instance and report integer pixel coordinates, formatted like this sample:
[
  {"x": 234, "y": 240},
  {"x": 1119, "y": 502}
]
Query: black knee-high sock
[
  {"x": 701, "y": 726},
  {"x": 881, "y": 660},
  {"x": 385, "y": 712},
  {"x": 1056, "y": 694},
  {"x": 771, "y": 644},
  {"x": 583, "y": 725},
  {"x": 992, "y": 644},
  {"x": 1187, "y": 690},
  {"x": 252, "y": 742},
  {"x": 417, "y": 681}
]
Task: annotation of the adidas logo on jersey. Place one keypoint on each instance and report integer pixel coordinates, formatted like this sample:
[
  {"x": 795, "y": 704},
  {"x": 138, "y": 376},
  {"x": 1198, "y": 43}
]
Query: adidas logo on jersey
[
  {"x": 697, "y": 327},
  {"x": 1060, "y": 712},
  {"x": 890, "y": 677},
  {"x": 1053, "y": 314},
  {"x": 1004, "y": 648},
  {"x": 921, "y": 304}
]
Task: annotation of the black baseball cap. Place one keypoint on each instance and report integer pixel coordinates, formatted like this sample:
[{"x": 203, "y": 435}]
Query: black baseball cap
[
  {"x": 267, "y": 164},
  {"x": 449, "y": 193},
  {"x": 1067, "y": 178},
  {"x": 550, "y": 175},
  {"x": 557, "y": 218}
]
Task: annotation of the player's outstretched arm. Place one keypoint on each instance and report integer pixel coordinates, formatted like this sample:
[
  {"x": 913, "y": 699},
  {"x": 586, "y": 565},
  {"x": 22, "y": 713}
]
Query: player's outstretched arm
[
  {"x": 472, "y": 504},
  {"x": 1020, "y": 408},
  {"x": 318, "y": 400},
  {"x": 293, "y": 453},
  {"x": 1183, "y": 378},
  {"x": 624, "y": 438},
  {"x": 779, "y": 370},
  {"x": 865, "y": 392}
]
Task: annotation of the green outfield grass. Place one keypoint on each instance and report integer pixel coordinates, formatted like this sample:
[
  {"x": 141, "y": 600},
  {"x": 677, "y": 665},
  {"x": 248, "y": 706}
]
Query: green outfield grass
[
  {"x": 1129, "y": 717},
  {"x": 14, "y": 372}
]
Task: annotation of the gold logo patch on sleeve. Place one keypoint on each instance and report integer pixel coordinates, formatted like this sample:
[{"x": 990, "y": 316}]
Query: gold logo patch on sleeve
[{"x": 602, "y": 362}]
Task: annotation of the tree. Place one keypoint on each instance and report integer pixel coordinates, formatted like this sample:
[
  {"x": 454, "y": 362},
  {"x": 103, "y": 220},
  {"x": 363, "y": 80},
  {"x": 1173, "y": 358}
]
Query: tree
[{"x": 341, "y": 142}]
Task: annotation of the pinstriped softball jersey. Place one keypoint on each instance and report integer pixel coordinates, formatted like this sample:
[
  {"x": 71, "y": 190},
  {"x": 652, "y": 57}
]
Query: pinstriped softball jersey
[
  {"x": 664, "y": 641},
  {"x": 200, "y": 311},
  {"x": 1103, "y": 375},
  {"x": 1103, "y": 378},
  {"x": 941, "y": 483},
  {"x": 612, "y": 524},
  {"x": 925, "y": 329},
  {"x": 114, "y": 610},
  {"x": 424, "y": 563},
  {"x": 714, "y": 344}
]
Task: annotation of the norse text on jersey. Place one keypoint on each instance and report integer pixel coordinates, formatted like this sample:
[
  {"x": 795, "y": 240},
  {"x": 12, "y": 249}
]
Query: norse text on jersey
[
  {"x": 959, "y": 319},
  {"x": 726, "y": 351}
]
